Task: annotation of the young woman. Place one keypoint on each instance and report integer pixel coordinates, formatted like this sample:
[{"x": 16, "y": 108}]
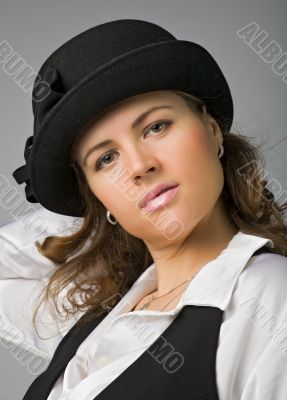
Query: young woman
[{"x": 174, "y": 283}]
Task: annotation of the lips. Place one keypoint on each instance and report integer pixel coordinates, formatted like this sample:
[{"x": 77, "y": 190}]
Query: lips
[{"x": 156, "y": 191}]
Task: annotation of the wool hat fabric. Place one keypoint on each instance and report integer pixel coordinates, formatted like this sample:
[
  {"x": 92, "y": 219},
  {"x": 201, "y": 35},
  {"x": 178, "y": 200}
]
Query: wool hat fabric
[{"x": 93, "y": 71}]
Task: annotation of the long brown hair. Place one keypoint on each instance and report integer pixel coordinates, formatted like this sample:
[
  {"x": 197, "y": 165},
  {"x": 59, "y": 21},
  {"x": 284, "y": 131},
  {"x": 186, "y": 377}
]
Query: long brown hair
[{"x": 100, "y": 261}]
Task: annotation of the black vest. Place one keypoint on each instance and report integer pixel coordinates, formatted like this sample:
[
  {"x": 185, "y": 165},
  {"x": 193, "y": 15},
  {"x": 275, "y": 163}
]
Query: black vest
[{"x": 179, "y": 364}]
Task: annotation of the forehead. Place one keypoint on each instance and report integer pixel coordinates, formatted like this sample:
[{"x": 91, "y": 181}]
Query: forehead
[
  {"x": 146, "y": 98},
  {"x": 132, "y": 105},
  {"x": 125, "y": 112},
  {"x": 137, "y": 103}
]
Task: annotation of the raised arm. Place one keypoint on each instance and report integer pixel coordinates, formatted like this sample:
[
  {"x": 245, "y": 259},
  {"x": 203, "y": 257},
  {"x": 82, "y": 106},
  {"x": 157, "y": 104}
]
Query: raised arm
[
  {"x": 19, "y": 257},
  {"x": 23, "y": 274}
]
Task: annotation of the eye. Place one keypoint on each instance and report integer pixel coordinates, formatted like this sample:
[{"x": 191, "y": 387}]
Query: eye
[
  {"x": 99, "y": 162},
  {"x": 156, "y": 124}
]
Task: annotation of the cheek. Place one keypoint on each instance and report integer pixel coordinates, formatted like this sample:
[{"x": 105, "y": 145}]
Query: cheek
[
  {"x": 192, "y": 153},
  {"x": 101, "y": 188},
  {"x": 114, "y": 195},
  {"x": 196, "y": 166}
]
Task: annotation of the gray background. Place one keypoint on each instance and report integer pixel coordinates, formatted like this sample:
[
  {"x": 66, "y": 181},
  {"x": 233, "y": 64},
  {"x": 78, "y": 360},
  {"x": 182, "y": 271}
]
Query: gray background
[{"x": 37, "y": 28}]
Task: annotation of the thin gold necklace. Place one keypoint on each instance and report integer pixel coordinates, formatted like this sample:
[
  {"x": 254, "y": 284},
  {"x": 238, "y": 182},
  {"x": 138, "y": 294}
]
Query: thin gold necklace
[
  {"x": 173, "y": 299},
  {"x": 146, "y": 305}
]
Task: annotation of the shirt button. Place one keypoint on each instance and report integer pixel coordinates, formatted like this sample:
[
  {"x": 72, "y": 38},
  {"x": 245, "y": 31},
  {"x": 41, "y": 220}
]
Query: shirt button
[{"x": 102, "y": 360}]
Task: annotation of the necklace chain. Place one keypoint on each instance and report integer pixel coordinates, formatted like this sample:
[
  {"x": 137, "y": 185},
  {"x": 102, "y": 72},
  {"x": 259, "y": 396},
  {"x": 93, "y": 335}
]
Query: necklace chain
[
  {"x": 146, "y": 305},
  {"x": 173, "y": 299}
]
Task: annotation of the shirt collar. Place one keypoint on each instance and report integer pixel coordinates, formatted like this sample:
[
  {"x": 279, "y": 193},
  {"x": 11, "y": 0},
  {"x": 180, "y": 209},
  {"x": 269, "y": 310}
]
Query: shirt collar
[{"x": 211, "y": 286}]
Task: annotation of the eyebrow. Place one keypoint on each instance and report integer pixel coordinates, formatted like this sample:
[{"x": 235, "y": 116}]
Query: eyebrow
[{"x": 136, "y": 122}]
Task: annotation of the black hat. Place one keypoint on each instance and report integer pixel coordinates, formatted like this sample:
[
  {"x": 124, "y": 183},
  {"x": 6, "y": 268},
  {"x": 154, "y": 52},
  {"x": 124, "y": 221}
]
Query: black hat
[{"x": 94, "y": 70}]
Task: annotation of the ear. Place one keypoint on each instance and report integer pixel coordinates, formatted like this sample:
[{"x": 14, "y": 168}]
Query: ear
[{"x": 213, "y": 127}]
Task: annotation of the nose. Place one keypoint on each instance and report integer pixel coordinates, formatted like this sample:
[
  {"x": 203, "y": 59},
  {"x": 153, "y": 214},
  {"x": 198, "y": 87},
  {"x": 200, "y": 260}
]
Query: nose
[{"x": 139, "y": 162}]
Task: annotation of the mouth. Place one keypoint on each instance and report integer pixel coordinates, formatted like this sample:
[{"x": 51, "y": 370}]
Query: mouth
[{"x": 161, "y": 199}]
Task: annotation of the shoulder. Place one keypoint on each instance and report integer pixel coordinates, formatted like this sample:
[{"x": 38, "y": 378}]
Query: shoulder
[
  {"x": 266, "y": 268},
  {"x": 263, "y": 282},
  {"x": 252, "y": 345}
]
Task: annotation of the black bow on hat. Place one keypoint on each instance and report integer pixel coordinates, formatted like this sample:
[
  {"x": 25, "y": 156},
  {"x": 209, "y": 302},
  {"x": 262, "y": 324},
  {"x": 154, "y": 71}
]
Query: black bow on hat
[
  {"x": 42, "y": 104},
  {"x": 89, "y": 73}
]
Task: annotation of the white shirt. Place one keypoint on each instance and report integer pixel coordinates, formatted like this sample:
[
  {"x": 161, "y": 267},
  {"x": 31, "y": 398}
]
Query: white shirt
[{"x": 251, "y": 358}]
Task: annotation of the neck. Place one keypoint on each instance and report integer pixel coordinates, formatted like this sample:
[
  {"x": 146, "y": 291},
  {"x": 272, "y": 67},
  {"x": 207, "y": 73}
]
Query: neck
[{"x": 203, "y": 245}]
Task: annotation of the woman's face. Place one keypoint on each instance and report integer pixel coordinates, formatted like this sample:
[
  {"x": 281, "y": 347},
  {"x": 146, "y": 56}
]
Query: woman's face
[{"x": 170, "y": 144}]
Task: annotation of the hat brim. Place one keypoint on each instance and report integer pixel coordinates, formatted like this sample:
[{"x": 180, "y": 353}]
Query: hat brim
[{"x": 171, "y": 65}]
